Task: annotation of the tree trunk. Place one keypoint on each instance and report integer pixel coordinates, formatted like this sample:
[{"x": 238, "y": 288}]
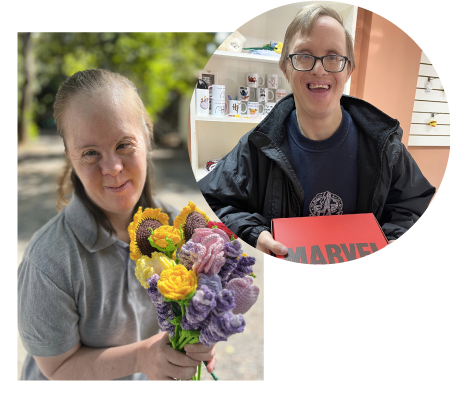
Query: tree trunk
[{"x": 27, "y": 97}]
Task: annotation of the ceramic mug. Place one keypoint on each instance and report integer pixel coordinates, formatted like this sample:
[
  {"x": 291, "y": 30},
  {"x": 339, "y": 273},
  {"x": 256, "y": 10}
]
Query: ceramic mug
[
  {"x": 202, "y": 102},
  {"x": 252, "y": 79},
  {"x": 268, "y": 107},
  {"x": 219, "y": 108},
  {"x": 274, "y": 81},
  {"x": 236, "y": 107},
  {"x": 254, "y": 108},
  {"x": 217, "y": 92},
  {"x": 264, "y": 95},
  {"x": 280, "y": 93},
  {"x": 246, "y": 94}
]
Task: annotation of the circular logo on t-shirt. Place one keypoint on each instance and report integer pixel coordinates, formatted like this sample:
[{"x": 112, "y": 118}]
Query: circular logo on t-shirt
[{"x": 325, "y": 204}]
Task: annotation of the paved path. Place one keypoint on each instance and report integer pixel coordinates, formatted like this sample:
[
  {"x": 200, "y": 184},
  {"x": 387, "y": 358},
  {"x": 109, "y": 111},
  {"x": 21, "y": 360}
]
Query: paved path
[{"x": 242, "y": 356}]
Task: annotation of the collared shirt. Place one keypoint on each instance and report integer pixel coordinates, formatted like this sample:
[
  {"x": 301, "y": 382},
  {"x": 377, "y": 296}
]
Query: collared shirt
[{"x": 77, "y": 284}]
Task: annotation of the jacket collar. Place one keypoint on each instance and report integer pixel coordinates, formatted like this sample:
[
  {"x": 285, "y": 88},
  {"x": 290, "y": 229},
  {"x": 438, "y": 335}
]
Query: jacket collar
[
  {"x": 369, "y": 119},
  {"x": 82, "y": 223}
]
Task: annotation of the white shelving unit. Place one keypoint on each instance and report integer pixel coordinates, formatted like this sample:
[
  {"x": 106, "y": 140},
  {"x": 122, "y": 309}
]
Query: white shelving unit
[{"x": 213, "y": 137}]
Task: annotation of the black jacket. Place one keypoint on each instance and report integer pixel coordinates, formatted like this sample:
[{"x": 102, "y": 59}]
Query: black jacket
[{"x": 256, "y": 181}]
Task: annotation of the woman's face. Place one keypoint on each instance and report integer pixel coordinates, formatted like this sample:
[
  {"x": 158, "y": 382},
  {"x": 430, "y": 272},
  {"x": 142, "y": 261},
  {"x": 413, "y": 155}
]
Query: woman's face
[{"x": 107, "y": 148}]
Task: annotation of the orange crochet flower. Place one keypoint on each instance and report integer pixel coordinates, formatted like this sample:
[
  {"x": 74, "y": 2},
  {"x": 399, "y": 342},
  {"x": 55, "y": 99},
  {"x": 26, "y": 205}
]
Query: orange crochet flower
[{"x": 160, "y": 234}]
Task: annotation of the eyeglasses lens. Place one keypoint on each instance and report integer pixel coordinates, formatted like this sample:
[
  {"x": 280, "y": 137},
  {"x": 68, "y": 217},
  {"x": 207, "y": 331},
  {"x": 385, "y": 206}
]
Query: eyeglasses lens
[{"x": 331, "y": 63}]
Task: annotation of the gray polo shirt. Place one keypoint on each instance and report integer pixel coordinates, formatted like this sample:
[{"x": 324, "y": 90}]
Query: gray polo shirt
[{"x": 75, "y": 288}]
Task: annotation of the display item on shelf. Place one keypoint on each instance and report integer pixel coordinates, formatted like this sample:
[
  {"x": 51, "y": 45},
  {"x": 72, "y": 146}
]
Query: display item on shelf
[
  {"x": 274, "y": 81},
  {"x": 202, "y": 98},
  {"x": 210, "y": 164},
  {"x": 274, "y": 47},
  {"x": 252, "y": 79},
  {"x": 233, "y": 43}
]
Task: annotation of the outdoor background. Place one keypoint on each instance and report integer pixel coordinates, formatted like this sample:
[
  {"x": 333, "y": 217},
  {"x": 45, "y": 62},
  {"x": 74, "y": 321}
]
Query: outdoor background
[{"x": 162, "y": 65}]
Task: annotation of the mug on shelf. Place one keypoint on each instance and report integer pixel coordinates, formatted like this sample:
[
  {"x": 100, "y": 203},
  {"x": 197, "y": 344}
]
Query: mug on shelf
[
  {"x": 279, "y": 94},
  {"x": 236, "y": 107},
  {"x": 274, "y": 81},
  {"x": 268, "y": 107},
  {"x": 217, "y": 92},
  {"x": 202, "y": 102},
  {"x": 254, "y": 108},
  {"x": 264, "y": 95},
  {"x": 219, "y": 108},
  {"x": 246, "y": 94},
  {"x": 252, "y": 79}
]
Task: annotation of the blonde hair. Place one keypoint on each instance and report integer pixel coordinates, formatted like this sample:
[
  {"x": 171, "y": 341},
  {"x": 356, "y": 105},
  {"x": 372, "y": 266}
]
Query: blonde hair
[
  {"x": 86, "y": 83},
  {"x": 303, "y": 23}
]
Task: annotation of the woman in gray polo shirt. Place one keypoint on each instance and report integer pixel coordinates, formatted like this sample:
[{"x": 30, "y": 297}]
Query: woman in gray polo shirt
[{"x": 82, "y": 312}]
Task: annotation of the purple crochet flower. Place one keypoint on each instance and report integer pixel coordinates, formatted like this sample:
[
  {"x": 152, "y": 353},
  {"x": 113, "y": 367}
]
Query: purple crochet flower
[
  {"x": 225, "y": 302},
  {"x": 227, "y": 269},
  {"x": 165, "y": 325},
  {"x": 153, "y": 292},
  {"x": 164, "y": 309},
  {"x": 232, "y": 249},
  {"x": 245, "y": 294},
  {"x": 243, "y": 268},
  {"x": 220, "y": 328},
  {"x": 189, "y": 253},
  {"x": 199, "y": 308},
  {"x": 212, "y": 281}
]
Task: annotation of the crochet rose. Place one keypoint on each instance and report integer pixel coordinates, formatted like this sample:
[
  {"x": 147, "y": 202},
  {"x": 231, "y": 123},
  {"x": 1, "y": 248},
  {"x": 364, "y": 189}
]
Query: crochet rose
[
  {"x": 245, "y": 294},
  {"x": 146, "y": 266},
  {"x": 177, "y": 283},
  {"x": 222, "y": 227},
  {"x": 211, "y": 255}
]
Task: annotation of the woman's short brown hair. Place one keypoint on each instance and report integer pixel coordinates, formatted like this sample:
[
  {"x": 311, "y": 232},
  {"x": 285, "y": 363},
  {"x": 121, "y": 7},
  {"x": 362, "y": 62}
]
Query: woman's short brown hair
[
  {"x": 99, "y": 81},
  {"x": 303, "y": 24}
]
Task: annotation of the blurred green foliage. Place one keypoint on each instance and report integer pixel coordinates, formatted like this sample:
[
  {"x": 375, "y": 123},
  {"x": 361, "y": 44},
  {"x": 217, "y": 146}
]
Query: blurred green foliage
[{"x": 162, "y": 65}]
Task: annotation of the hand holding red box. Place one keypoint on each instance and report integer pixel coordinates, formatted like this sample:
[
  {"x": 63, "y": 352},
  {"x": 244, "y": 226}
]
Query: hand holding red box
[{"x": 328, "y": 239}]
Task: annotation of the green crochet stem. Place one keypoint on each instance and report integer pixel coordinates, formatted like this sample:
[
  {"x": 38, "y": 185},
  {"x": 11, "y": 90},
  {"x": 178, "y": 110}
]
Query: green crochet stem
[{"x": 183, "y": 337}]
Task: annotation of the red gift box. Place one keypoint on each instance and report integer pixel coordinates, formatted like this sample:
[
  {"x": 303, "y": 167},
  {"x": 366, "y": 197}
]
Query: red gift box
[{"x": 328, "y": 239}]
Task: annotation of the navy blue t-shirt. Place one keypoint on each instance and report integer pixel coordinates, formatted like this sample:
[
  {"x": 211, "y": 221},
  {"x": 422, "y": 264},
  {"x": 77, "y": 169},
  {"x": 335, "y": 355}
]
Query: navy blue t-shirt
[{"x": 326, "y": 169}]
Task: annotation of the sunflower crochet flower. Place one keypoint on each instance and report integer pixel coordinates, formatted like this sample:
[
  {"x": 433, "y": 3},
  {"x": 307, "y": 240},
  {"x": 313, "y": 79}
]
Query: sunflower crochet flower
[
  {"x": 177, "y": 283},
  {"x": 139, "y": 231},
  {"x": 190, "y": 218},
  {"x": 146, "y": 267}
]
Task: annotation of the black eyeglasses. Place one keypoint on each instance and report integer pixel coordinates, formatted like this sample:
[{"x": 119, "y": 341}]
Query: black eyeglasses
[{"x": 306, "y": 62}]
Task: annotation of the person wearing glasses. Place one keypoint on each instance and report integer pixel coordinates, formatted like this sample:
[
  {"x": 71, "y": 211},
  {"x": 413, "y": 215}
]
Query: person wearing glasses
[{"x": 318, "y": 152}]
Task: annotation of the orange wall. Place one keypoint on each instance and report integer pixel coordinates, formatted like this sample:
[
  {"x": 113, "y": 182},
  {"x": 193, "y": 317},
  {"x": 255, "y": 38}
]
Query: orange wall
[{"x": 387, "y": 66}]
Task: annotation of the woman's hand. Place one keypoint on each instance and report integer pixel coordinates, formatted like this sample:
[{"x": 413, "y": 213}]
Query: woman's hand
[
  {"x": 159, "y": 361},
  {"x": 200, "y": 352},
  {"x": 268, "y": 245}
]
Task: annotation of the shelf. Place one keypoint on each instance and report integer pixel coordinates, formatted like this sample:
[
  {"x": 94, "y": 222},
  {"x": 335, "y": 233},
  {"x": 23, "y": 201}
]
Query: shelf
[
  {"x": 201, "y": 172},
  {"x": 228, "y": 119},
  {"x": 247, "y": 57}
]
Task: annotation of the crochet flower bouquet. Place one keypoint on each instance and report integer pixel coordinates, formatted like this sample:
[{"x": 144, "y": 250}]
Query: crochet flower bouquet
[{"x": 195, "y": 273}]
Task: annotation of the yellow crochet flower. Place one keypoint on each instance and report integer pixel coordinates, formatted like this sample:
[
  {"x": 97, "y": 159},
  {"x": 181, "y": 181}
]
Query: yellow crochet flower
[
  {"x": 146, "y": 267},
  {"x": 160, "y": 234},
  {"x": 139, "y": 231},
  {"x": 177, "y": 283},
  {"x": 190, "y": 218}
]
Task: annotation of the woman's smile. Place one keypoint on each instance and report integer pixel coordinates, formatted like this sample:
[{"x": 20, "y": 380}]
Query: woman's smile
[{"x": 118, "y": 188}]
